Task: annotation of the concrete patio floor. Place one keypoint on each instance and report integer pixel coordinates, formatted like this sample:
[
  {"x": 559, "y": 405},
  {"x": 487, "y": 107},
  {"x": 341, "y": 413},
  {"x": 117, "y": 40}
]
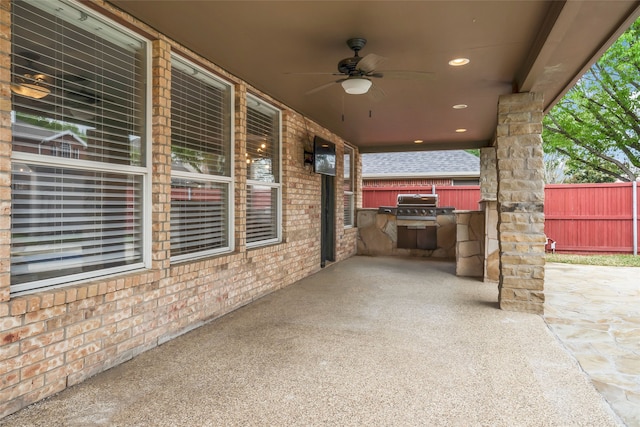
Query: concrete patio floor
[{"x": 374, "y": 341}]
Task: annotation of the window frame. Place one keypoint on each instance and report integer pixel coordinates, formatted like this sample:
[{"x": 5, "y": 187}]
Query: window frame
[
  {"x": 144, "y": 171},
  {"x": 349, "y": 193},
  {"x": 210, "y": 178},
  {"x": 275, "y": 185}
]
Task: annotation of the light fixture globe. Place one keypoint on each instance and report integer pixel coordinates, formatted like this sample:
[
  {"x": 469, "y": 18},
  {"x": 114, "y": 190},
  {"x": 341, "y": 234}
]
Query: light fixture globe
[
  {"x": 31, "y": 86},
  {"x": 356, "y": 85}
]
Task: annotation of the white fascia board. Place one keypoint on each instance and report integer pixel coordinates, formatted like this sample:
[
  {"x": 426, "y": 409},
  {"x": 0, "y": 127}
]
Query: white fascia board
[{"x": 463, "y": 174}]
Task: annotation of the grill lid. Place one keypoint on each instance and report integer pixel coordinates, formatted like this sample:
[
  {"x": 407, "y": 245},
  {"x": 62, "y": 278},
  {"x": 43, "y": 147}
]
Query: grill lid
[{"x": 429, "y": 200}]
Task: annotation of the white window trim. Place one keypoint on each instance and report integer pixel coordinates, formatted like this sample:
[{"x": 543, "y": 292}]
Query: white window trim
[
  {"x": 351, "y": 192},
  {"x": 277, "y": 185},
  {"x": 230, "y": 180},
  {"x": 144, "y": 171}
]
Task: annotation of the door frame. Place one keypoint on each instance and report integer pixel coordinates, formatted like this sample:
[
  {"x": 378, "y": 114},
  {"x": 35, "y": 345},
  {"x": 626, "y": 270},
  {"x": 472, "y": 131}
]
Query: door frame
[{"x": 327, "y": 220}]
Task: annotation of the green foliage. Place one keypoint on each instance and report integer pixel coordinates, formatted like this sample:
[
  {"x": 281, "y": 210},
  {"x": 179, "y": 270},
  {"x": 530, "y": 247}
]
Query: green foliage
[
  {"x": 597, "y": 123},
  {"x": 577, "y": 173},
  {"x": 619, "y": 260},
  {"x": 474, "y": 151},
  {"x": 54, "y": 125}
]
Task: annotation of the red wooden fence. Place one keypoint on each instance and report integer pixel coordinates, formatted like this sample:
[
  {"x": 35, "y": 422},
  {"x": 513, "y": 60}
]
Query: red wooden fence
[
  {"x": 590, "y": 218},
  {"x": 581, "y": 218},
  {"x": 462, "y": 197}
]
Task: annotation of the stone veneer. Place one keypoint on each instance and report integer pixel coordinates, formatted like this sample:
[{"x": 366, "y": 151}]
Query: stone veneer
[
  {"x": 470, "y": 243},
  {"x": 520, "y": 173},
  {"x": 56, "y": 338},
  {"x": 378, "y": 235},
  {"x": 489, "y": 205},
  {"x": 491, "y": 243}
]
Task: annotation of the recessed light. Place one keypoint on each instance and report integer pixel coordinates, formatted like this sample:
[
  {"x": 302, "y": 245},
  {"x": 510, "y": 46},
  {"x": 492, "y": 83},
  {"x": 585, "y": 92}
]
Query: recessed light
[
  {"x": 418, "y": 141},
  {"x": 458, "y": 62},
  {"x": 460, "y": 106},
  {"x": 461, "y": 130}
]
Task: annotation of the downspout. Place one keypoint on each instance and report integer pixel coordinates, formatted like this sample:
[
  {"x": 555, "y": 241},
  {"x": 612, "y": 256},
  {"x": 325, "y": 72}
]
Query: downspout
[{"x": 634, "y": 186}]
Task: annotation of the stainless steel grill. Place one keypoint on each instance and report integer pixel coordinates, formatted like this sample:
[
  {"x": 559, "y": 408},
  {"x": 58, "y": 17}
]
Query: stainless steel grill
[
  {"x": 417, "y": 207},
  {"x": 416, "y": 220}
]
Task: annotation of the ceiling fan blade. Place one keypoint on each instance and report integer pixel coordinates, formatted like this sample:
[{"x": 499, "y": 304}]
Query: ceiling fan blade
[
  {"x": 370, "y": 62},
  {"x": 408, "y": 75},
  {"x": 314, "y": 73},
  {"x": 324, "y": 86}
]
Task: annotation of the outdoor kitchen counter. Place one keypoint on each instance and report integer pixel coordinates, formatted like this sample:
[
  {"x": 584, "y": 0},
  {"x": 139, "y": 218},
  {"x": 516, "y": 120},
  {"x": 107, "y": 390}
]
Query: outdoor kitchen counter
[
  {"x": 378, "y": 235},
  {"x": 470, "y": 240}
]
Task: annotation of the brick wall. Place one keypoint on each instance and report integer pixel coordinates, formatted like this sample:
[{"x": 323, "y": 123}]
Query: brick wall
[{"x": 54, "y": 339}]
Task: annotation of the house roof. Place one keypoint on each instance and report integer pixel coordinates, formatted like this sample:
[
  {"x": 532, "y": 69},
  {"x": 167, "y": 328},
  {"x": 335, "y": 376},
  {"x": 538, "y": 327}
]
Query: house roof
[
  {"x": 38, "y": 133},
  {"x": 448, "y": 163}
]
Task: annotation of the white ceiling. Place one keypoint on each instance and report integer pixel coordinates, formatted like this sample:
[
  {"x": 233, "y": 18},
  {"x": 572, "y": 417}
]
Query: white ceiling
[{"x": 513, "y": 45}]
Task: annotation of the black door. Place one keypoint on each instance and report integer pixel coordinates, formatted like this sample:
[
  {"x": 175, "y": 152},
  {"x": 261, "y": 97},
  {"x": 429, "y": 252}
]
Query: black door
[{"x": 328, "y": 220}]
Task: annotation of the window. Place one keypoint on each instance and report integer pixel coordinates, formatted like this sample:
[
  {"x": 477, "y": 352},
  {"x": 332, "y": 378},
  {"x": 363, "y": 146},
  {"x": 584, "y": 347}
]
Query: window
[
  {"x": 79, "y": 169},
  {"x": 263, "y": 173},
  {"x": 349, "y": 202},
  {"x": 469, "y": 181},
  {"x": 201, "y": 156}
]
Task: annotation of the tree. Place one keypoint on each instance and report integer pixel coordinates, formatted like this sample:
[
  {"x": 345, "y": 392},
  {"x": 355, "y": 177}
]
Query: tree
[{"x": 596, "y": 125}]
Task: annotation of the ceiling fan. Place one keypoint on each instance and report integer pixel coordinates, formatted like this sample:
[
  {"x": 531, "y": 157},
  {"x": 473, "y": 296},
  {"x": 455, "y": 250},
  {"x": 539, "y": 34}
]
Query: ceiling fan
[
  {"x": 30, "y": 82},
  {"x": 81, "y": 96},
  {"x": 357, "y": 71}
]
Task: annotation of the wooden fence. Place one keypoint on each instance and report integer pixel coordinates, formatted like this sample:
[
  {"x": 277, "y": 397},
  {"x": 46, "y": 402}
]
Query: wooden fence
[
  {"x": 462, "y": 197},
  {"x": 581, "y": 218}
]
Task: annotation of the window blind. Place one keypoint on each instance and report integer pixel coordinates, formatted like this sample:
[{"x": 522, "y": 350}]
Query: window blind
[
  {"x": 262, "y": 213},
  {"x": 67, "y": 221},
  {"x": 201, "y": 161},
  {"x": 348, "y": 187},
  {"x": 78, "y": 158},
  {"x": 263, "y": 172},
  {"x": 199, "y": 216},
  {"x": 95, "y": 86}
]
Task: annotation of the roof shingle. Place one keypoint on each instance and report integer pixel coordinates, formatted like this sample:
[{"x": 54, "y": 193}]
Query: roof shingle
[{"x": 415, "y": 163}]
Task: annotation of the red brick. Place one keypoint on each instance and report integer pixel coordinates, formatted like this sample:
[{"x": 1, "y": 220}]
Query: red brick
[
  {"x": 82, "y": 327},
  {"x": 19, "y": 333},
  {"x": 48, "y": 390},
  {"x": 20, "y": 361},
  {"x": 41, "y": 367},
  {"x": 42, "y": 340},
  {"x": 82, "y": 352},
  {"x": 21, "y": 389},
  {"x": 10, "y": 379},
  {"x": 18, "y": 307},
  {"x": 59, "y": 298},
  {"x": 64, "y": 346},
  {"x": 45, "y": 314}
]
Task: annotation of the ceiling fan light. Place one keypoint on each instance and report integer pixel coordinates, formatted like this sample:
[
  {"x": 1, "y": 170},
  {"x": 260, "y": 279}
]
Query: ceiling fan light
[
  {"x": 30, "y": 90},
  {"x": 356, "y": 86}
]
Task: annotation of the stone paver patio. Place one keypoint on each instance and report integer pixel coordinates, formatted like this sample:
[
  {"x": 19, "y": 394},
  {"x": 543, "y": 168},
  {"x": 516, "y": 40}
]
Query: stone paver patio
[{"x": 595, "y": 312}]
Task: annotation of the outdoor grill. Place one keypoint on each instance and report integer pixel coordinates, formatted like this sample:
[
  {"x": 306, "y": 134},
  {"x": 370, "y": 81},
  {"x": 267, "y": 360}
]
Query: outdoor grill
[
  {"x": 416, "y": 220},
  {"x": 416, "y": 207}
]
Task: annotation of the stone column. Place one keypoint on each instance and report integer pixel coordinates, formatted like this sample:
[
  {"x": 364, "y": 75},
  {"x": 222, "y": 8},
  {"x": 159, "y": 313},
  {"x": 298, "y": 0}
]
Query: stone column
[
  {"x": 520, "y": 202},
  {"x": 489, "y": 205}
]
